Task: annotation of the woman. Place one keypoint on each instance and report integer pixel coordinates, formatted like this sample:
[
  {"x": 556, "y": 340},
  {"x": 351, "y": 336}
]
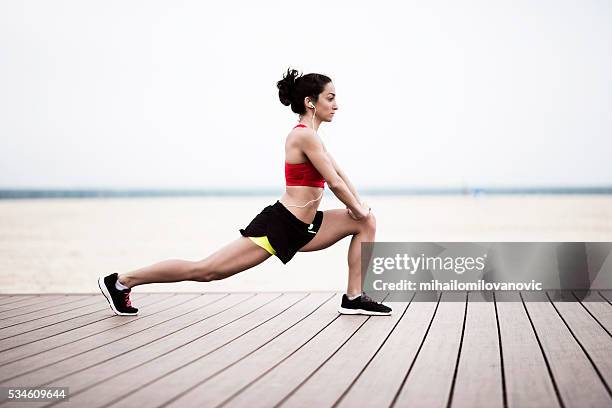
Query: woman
[{"x": 293, "y": 223}]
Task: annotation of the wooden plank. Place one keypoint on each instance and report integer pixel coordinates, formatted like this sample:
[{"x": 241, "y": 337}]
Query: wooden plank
[
  {"x": 429, "y": 381},
  {"x": 326, "y": 386},
  {"x": 30, "y": 312},
  {"x": 592, "y": 338},
  {"x": 479, "y": 375},
  {"x": 50, "y": 312},
  {"x": 143, "y": 367},
  {"x": 6, "y": 300},
  {"x": 599, "y": 309},
  {"x": 383, "y": 376},
  {"x": 32, "y": 300},
  {"x": 111, "y": 344},
  {"x": 102, "y": 323},
  {"x": 577, "y": 382},
  {"x": 528, "y": 383},
  {"x": 56, "y": 328}
]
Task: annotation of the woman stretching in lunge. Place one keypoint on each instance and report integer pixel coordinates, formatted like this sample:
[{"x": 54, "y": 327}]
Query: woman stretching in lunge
[{"x": 292, "y": 223}]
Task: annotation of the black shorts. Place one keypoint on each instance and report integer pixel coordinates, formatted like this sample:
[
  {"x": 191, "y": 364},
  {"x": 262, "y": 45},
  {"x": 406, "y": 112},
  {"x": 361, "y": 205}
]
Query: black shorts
[{"x": 286, "y": 233}]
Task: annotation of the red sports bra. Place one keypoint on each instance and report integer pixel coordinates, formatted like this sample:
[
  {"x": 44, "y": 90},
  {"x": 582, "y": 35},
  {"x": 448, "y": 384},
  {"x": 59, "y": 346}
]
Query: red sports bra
[{"x": 303, "y": 174}]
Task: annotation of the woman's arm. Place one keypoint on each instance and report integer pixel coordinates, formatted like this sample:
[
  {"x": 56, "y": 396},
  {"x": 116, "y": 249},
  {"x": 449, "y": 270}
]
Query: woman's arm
[
  {"x": 313, "y": 148},
  {"x": 344, "y": 177}
]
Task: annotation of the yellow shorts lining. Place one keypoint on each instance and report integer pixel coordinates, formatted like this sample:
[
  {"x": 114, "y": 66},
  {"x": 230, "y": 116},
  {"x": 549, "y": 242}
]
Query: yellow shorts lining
[{"x": 264, "y": 243}]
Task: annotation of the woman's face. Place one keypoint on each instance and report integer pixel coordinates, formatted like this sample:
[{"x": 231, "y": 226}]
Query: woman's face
[{"x": 326, "y": 104}]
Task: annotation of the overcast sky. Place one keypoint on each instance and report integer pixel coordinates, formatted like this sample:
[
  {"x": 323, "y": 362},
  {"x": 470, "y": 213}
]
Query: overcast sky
[{"x": 182, "y": 94}]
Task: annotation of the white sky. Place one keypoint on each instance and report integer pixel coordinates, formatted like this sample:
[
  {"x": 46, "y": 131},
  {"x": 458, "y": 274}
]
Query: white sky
[{"x": 169, "y": 94}]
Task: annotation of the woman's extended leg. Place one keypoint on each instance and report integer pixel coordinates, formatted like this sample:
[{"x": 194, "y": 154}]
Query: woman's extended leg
[
  {"x": 336, "y": 225},
  {"x": 235, "y": 257}
]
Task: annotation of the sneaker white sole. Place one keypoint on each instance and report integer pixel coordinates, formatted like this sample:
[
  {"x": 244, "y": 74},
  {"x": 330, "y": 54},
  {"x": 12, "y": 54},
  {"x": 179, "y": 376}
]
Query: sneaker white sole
[
  {"x": 343, "y": 310},
  {"x": 108, "y": 297}
]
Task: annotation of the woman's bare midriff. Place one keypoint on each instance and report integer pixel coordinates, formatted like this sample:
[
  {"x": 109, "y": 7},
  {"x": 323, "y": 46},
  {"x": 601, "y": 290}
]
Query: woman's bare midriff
[{"x": 300, "y": 195}]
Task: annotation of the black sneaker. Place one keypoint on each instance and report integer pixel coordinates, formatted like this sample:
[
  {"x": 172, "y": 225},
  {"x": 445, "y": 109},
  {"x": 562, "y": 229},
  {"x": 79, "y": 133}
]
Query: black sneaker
[
  {"x": 119, "y": 300},
  {"x": 363, "y": 305}
]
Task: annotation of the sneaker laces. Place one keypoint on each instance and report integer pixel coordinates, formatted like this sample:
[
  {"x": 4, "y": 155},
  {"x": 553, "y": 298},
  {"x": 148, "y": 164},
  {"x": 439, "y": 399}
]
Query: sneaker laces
[
  {"x": 126, "y": 297},
  {"x": 367, "y": 298}
]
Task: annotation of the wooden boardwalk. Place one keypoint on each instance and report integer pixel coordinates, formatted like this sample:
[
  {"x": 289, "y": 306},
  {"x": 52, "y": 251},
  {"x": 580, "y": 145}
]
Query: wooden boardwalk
[{"x": 295, "y": 350}]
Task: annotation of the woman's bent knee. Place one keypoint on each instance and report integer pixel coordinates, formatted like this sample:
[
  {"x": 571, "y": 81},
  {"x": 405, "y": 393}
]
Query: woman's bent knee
[{"x": 369, "y": 224}]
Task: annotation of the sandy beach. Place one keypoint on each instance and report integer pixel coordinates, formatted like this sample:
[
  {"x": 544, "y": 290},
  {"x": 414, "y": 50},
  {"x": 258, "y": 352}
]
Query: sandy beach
[{"x": 62, "y": 245}]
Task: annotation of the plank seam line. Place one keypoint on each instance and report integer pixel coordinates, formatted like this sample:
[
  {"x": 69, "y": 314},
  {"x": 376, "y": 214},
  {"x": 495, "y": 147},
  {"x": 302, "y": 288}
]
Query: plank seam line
[
  {"x": 501, "y": 355},
  {"x": 550, "y": 374},
  {"x": 604, "y": 298},
  {"x": 452, "y": 389}
]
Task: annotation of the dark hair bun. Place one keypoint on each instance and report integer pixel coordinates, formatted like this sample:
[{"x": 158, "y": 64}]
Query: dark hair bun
[
  {"x": 294, "y": 87},
  {"x": 286, "y": 86}
]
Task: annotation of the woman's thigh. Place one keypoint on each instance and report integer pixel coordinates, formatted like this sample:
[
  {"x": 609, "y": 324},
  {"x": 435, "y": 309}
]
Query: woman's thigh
[{"x": 337, "y": 224}]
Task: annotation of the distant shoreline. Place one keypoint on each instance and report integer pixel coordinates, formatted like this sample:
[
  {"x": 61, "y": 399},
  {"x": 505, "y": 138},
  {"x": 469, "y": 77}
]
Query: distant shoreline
[{"x": 7, "y": 194}]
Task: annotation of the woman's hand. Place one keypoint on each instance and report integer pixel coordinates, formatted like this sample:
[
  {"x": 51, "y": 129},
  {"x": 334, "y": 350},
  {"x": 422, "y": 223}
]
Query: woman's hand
[{"x": 364, "y": 212}]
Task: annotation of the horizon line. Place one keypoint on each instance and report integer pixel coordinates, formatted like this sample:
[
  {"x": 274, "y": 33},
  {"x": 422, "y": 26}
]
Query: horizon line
[{"x": 16, "y": 193}]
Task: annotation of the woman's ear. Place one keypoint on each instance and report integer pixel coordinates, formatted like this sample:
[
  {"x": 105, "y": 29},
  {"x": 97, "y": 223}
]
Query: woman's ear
[{"x": 308, "y": 102}]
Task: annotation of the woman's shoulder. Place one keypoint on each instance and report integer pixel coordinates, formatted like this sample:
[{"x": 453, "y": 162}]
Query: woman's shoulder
[
  {"x": 302, "y": 133},
  {"x": 298, "y": 140}
]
